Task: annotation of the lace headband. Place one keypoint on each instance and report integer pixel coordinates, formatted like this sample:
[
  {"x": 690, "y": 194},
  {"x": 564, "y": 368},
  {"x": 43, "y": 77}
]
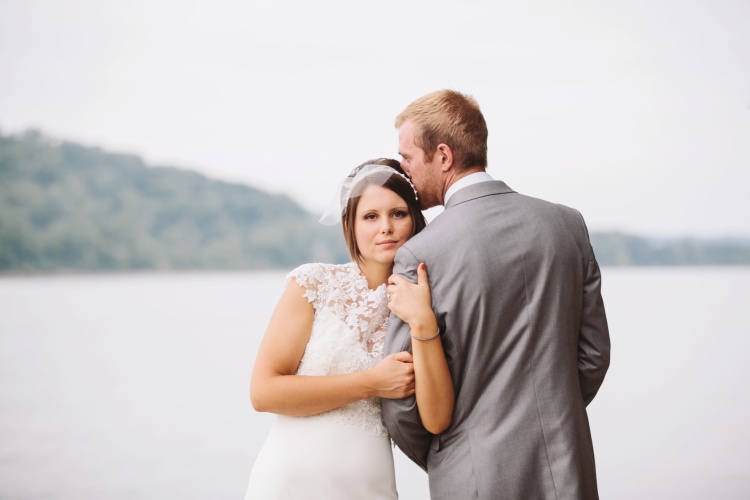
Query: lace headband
[{"x": 353, "y": 186}]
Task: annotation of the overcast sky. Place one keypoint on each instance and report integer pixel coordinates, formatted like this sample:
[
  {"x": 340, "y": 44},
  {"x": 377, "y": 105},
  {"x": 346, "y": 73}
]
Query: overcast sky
[{"x": 635, "y": 112}]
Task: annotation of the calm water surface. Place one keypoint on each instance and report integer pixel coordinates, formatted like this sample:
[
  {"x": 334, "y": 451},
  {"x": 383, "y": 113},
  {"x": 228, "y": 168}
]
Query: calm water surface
[{"x": 136, "y": 386}]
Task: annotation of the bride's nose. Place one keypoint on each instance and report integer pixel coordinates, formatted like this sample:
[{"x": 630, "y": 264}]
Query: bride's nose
[{"x": 387, "y": 226}]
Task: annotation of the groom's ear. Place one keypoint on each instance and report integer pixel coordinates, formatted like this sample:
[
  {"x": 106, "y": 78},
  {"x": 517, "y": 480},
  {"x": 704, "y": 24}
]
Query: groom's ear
[{"x": 444, "y": 156}]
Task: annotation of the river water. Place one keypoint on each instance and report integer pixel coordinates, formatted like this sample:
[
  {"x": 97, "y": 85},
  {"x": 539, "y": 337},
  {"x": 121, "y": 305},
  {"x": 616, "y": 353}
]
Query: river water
[{"x": 136, "y": 386}]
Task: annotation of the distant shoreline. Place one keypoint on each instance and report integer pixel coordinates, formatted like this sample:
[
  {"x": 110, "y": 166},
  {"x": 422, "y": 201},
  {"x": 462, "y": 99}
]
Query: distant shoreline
[
  {"x": 68, "y": 209},
  {"x": 202, "y": 272}
]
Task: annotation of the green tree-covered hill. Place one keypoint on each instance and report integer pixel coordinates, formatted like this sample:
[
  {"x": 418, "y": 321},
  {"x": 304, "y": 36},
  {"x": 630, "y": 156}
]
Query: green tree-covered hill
[
  {"x": 64, "y": 206},
  {"x": 67, "y": 207},
  {"x": 617, "y": 249}
]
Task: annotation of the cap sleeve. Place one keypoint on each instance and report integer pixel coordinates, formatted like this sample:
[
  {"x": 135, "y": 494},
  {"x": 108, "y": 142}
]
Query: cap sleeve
[{"x": 311, "y": 277}]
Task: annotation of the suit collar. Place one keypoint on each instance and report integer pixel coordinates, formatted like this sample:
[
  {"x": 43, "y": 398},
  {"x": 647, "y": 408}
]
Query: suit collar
[
  {"x": 479, "y": 190},
  {"x": 466, "y": 181}
]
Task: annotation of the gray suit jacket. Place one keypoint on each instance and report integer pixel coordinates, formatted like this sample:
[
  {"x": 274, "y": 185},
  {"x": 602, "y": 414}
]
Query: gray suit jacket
[{"x": 516, "y": 290}]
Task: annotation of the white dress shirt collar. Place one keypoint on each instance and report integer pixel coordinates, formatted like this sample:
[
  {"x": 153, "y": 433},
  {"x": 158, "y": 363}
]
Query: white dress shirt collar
[{"x": 463, "y": 182}]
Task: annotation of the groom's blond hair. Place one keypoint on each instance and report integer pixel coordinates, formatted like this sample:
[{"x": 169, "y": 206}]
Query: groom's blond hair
[{"x": 451, "y": 118}]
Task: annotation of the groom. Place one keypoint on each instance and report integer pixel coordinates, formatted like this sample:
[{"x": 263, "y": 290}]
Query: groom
[{"x": 516, "y": 290}]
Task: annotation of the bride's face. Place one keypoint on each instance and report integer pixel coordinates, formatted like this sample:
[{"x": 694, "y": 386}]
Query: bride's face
[{"x": 382, "y": 224}]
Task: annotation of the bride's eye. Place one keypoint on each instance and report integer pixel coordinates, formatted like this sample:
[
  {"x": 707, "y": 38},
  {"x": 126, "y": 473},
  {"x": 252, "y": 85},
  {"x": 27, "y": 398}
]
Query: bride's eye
[
  {"x": 370, "y": 217},
  {"x": 400, "y": 213}
]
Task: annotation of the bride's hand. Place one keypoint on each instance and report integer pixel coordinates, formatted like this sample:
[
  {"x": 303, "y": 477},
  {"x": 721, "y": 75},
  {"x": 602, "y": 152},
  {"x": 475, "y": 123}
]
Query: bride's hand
[
  {"x": 411, "y": 302},
  {"x": 393, "y": 376}
]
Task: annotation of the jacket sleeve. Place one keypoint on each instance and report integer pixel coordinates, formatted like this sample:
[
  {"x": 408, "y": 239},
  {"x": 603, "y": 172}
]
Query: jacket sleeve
[
  {"x": 593, "y": 337},
  {"x": 401, "y": 416}
]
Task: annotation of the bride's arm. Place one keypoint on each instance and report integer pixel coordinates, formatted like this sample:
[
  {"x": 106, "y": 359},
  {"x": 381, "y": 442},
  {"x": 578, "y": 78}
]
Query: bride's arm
[
  {"x": 275, "y": 388},
  {"x": 434, "y": 387}
]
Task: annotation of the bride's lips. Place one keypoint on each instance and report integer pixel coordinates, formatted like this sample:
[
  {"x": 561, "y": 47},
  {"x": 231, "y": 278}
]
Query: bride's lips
[{"x": 387, "y": 243}]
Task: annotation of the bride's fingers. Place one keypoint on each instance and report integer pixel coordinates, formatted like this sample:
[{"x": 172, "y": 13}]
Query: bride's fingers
[
  {"x": 404, "y": 357},
  {"x": 395, "y": 279},
  {"x": 422, "y": 275}
]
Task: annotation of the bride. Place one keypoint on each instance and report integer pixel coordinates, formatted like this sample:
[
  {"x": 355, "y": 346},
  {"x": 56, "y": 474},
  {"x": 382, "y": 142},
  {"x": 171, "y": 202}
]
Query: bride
[{"x": 320, "y": 366}]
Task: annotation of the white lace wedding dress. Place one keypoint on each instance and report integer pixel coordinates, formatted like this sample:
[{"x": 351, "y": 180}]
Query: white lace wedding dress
[{"x": 343, "y": 453}]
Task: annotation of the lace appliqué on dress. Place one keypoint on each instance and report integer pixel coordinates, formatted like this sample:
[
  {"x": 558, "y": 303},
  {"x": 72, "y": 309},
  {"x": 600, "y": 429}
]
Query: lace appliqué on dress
[{"x": 348, "y": 333}]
